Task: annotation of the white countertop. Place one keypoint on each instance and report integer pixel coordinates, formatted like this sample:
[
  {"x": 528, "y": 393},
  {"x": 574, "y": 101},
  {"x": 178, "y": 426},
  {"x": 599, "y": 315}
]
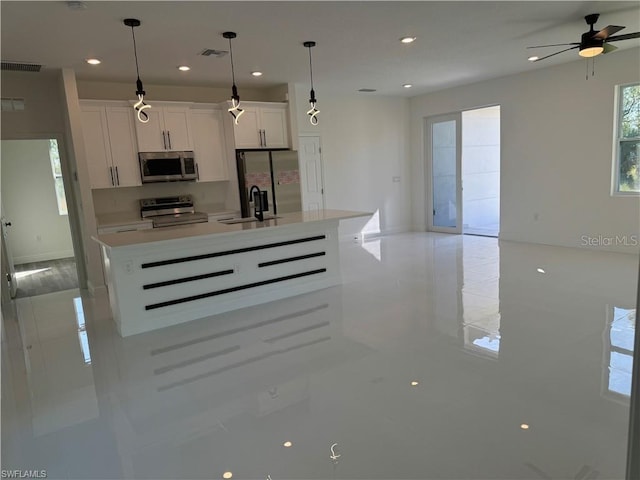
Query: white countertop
[{"x": 124, "y": 239}]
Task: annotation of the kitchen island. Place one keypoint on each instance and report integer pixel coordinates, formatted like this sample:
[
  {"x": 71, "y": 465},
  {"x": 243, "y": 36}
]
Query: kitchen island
[{"x": 165, "y": 276}]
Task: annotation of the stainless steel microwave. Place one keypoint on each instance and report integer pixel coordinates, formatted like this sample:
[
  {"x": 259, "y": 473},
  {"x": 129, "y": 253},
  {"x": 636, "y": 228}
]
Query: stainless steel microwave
[{"x": 167, "y": 166}]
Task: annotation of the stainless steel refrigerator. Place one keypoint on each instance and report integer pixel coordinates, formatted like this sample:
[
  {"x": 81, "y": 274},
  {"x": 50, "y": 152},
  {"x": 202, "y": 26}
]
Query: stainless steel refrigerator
[{"x": 275, "y": 171}]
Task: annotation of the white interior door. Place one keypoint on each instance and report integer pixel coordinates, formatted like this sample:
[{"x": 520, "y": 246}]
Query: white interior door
[
  {"x": 444, "y": 179},
  {"x": 311, "y": 173}
]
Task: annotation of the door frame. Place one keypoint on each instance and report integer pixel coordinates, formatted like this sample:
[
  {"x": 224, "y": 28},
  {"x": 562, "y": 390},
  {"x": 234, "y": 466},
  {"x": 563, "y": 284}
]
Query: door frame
[
  {"x": 8, "y": 270},
  {"x": 311, "y": 134},
  {"x": 428, "y": 123},
  {"x": 69, "y": 180}
]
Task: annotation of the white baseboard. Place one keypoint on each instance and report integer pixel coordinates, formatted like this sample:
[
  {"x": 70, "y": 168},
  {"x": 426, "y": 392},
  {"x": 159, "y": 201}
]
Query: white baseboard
[
  {"x": 93, "y": 289},
  {"x": 42, "y": 257}
]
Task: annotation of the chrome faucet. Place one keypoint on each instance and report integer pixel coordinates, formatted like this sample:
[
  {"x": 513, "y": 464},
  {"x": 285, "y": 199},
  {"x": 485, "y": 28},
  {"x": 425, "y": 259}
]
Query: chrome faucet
[{"x": 260, "y": 203}]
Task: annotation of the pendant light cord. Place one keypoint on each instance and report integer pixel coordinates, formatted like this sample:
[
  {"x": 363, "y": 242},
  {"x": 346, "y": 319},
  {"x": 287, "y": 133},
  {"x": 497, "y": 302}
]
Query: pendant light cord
[
  {"x": 233, "y": 74},
  {"x": 135, "y": 51},
  {"x": 310, "y": 67}
]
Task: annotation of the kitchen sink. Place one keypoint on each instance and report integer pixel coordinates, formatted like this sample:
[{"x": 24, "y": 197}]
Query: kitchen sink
[{"x": 232, "y": 221}]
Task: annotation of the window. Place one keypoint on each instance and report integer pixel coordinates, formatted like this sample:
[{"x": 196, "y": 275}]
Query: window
[
  {"x": 618, "y": 351},
  {"x": 54, "y": 156},
  {"x": 627, "y": 171}
]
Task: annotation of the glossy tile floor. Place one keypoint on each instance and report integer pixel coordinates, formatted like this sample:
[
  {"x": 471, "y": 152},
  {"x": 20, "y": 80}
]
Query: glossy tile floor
[{"x": 439, "y": 357}]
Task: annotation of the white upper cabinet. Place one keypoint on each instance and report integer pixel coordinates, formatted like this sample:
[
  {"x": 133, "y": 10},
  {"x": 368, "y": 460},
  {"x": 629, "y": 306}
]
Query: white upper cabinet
[
  {"x": 168, "y": 128},
  {"x": 110, "y": 144},
  {"x": 263, "y": 125},
  {"x": 208, "y": 143}
]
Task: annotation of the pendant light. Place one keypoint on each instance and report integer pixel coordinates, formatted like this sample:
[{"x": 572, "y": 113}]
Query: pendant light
[
  {"x": 313, "y": 111},
  {"x": 140, "y": 105},
  {"x": 235, "y": 109}
]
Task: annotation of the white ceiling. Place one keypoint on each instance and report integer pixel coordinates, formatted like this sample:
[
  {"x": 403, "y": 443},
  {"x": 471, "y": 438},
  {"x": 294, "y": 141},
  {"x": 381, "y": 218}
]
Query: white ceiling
[{"x": 357, "y": 42}]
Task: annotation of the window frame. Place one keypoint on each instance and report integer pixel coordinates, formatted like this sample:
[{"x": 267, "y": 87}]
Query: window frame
[{"x": 617, "y": 141}]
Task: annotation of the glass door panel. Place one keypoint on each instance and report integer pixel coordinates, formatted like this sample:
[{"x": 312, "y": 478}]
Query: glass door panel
[{"x": 444, "y": 156}]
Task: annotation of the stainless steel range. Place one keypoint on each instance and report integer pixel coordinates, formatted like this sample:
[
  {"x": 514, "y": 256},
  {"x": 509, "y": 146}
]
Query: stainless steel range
[{"x": 171, "y": 211}]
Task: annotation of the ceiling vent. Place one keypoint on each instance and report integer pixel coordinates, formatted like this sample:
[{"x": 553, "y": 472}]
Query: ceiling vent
[
  {"x": 210, "y": 52},
  {"x": 21, "y": 67},
  {"x": 367, "y": 90},
  {"x": 12, "y": 104}
]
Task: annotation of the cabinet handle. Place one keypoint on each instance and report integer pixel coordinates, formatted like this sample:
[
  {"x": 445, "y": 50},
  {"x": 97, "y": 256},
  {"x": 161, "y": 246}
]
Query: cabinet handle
[
  {"x": 117, "y": 177},
  {"x": 111, "y": 174},
  {"x": 169, "y": 137},
  {"x": 164, "y": 140}
]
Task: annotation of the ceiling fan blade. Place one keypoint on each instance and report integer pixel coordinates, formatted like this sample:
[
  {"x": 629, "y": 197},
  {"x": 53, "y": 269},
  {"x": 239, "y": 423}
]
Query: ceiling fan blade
[
  {"x": 607, "y": 31},
  {"x": 555, "y": 45},
  {"x": 561, "y": 51},
  {"x": 608, "y": 48},
  {"x": 626, "y": 36}
]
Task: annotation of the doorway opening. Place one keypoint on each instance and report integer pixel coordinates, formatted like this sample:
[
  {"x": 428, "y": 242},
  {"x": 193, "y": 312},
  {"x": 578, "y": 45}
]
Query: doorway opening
[
  {"x": 36, "y": 233},
  {"x": 463, "y": 172},
  {"x": 481, "y": 171}
]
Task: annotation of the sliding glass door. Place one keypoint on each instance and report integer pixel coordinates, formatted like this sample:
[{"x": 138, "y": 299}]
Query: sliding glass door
[{"x": 444, "y": 183}]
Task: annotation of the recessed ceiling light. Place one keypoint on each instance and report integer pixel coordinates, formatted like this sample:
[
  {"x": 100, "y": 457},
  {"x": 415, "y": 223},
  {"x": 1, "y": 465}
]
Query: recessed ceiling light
[
  {"x": 541, "y": 270},
  {"x": 227, "y": 475},
  {"x": 287, "y": 444},
  {"x": 414, "y": 384},
  {"x": 524, "y": 426},
  {"x": 408, "y": 39},
  {"x": 93, "y": 61},
  {"x": 407, "y": 85},
  {"x": 533, "y": 59},
  {"x": 256, "y": 74},
  {"x": 184, "y": 68}
]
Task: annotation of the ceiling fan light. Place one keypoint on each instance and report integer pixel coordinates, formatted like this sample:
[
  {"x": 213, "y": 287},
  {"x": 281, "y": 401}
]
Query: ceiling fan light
[{"x": 591, "y": 51}]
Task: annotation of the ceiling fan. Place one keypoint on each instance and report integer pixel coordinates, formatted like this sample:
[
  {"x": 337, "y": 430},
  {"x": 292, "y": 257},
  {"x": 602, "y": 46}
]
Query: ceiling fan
[{"x": 593, "y": 42}]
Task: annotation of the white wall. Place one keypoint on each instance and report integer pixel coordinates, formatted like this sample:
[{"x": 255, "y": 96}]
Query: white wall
[
  {"x": 364, "y": 143},
  {"x": 44, "y": 117},
  {"x": 481, "y": 170},
  {"x": 557, "y": 136},
  {"x": 38, "y": 231}
]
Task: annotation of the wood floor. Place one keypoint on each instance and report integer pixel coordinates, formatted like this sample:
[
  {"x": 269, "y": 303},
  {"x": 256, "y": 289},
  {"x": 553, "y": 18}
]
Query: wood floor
[{"x": 49, "y": 276}]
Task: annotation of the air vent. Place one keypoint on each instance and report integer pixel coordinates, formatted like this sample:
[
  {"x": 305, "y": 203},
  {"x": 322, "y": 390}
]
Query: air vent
[
  {"x": 21, "y": 67},
  {"x": 12, "y": 104},
  {"x": 209, "y": 52},
  {"x": 367, "y": 90}
]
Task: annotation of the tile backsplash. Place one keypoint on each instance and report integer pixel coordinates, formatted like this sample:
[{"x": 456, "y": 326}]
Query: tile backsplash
[{"x": 125, "y": 199}]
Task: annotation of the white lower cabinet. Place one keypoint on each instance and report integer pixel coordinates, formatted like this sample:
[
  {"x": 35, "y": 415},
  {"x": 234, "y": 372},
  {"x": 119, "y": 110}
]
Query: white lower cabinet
[
  {"x": 110, "y": 145},
  {"x": 209, "y": 144}
]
